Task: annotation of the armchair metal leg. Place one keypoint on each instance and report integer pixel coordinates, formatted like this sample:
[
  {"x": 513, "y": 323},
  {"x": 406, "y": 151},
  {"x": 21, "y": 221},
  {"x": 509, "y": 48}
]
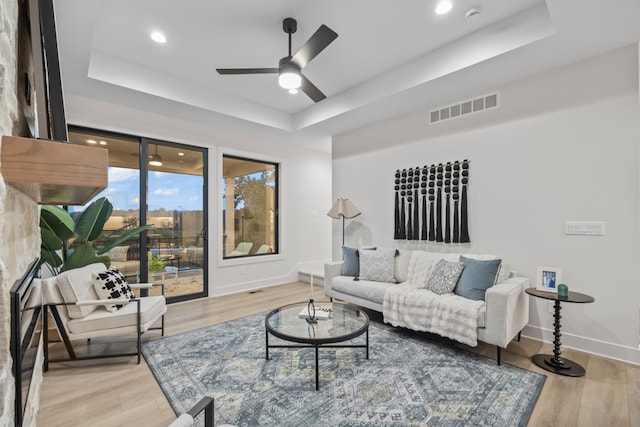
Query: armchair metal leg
[
  {"x": 498, "y": 354},
  {"x": 139, "y": 331},
  {"x": 519, "y": 334},
  {"x": 45, "y": 338}
]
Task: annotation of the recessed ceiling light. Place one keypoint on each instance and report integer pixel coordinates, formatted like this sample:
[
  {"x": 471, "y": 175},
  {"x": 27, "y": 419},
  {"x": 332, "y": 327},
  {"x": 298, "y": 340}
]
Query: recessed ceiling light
[
  {"x": 91, "y": 141},
  {"x": 293, "y": 91},
  {"x": 180, "y": 153},
  {"x": 158, "y": 37},
  {"x": 443, "y": 6},
  {"x": 103, "y": 142}
]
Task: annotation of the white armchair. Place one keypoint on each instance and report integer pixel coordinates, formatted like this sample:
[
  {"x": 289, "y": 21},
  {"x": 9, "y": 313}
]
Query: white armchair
[{"x": 79, "y": 314}]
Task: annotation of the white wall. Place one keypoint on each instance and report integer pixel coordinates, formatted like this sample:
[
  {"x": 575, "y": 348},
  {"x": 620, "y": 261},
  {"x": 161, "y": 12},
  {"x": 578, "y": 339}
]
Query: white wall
[
  {"x": 305, "y": 186},
  {"x": 563, "y": 157}
]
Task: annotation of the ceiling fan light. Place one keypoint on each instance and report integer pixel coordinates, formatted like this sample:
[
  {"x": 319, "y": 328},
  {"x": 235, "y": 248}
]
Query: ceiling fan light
[
  {"x": 289, "y": 80},
  {"x": 293, "y": 91}
]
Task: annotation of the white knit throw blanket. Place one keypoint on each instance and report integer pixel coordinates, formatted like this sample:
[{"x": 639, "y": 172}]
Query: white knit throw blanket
[{"x": 452, "y": 316}]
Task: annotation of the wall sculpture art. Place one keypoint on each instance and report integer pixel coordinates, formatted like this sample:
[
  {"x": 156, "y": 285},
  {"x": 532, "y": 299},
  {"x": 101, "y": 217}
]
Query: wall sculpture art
[{"x": 431, "y": 203}]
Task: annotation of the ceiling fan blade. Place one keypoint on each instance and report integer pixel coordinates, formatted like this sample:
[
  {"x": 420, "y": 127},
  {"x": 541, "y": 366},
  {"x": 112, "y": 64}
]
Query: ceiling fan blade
[
  {"x": 311, "y": 90},
  {"x": 316, "y": 44},
  {"x": 247, "y": 70}
]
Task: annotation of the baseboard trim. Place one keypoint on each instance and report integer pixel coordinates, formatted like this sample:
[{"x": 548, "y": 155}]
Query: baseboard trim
[{"x": 588, "y": 345}]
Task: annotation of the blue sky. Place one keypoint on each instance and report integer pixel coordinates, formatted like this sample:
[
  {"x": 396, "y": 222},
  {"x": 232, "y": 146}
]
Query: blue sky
[{"x": 170, "y": 191}]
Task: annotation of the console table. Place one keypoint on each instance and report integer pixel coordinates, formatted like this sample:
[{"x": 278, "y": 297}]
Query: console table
[{"x": 555, "y": 363}]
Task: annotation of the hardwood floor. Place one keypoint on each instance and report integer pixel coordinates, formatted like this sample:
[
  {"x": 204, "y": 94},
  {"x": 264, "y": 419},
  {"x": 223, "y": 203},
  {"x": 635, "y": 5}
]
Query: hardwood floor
[{"x": 118, "y": 392}]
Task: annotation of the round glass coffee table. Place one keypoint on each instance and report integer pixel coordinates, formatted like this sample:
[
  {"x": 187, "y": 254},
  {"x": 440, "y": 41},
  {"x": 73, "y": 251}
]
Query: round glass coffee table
[{"x": 344, "y": 323}]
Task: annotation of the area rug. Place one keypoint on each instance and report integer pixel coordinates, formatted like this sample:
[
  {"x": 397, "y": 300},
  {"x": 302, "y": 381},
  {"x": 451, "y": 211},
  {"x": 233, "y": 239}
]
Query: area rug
[{"x": 407, "y": 381}]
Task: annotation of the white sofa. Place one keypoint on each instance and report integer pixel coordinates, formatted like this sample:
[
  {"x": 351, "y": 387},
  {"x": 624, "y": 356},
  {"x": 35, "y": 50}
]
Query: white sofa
[{"x": 406, "y": 302}]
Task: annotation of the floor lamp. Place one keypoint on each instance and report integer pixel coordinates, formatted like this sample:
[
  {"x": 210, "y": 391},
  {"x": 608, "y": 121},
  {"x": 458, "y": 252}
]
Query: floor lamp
[{"x": 343, "y": 208}]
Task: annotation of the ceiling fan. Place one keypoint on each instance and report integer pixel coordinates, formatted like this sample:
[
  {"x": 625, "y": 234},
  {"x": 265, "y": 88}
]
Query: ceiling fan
[{"x": 289, "y": 68}]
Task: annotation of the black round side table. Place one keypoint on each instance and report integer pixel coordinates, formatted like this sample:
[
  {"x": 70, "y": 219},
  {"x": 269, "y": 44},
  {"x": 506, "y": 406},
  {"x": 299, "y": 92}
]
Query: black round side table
[{"x": 555, "y": 363}]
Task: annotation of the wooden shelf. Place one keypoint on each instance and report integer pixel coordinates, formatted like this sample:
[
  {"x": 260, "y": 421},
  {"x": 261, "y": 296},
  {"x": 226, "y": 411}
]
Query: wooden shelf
[{"x": 53, "y": 173}]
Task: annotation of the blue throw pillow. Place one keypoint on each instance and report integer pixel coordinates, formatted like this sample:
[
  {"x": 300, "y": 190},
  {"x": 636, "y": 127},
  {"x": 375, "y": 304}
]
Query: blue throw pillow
[
  {"x": 477, "y": 276},
  {"x": 351, "y": 266}
]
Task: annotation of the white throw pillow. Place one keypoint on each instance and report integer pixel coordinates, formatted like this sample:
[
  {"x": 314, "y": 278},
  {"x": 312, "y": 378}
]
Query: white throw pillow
[
  {"x": 111, "y": 284},
  {"x": 378, "y": 265}
]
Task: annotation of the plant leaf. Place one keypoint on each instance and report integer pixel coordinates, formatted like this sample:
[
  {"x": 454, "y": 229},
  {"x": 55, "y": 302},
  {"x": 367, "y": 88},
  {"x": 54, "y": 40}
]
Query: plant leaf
[
  {"x": 58, "y": 221},
  {"x": 83, "y": 254},
  {"x": 52, "y": 259},
  {"x": 50, "y": 241},
  {"x": 92, "y": 220}
]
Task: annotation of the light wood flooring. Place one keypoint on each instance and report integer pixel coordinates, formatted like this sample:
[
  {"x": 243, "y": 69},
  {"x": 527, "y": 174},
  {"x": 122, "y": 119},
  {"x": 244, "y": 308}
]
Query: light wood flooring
[{"x": 118, "y": 392}]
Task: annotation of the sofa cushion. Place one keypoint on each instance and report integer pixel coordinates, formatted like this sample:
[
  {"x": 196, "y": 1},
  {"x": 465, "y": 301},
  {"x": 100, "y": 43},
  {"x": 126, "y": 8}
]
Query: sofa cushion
[
  {"x": 378, "y": 265},
  {"x": 111, "y": 284},
  {"x": 421, "y": 265},
  {"x": 365, "y": 289},
  {"x": 445, "y": 276},
  {"x": 477, "y": 277},
  {"x": 77, "y": 285},
  {"x": 150, "y": 308},
  {"x": 351, "y": 266},
  {"x": 503, "y": 272},
  {"x": 401, "y": 268}
]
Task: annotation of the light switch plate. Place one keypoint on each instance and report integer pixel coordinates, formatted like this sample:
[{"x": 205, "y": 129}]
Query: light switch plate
[{"x": 587, "y": 228}]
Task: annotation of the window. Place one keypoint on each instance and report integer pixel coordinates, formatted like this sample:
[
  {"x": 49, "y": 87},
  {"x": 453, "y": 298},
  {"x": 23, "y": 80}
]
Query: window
[{"x": 249, "y": 207}]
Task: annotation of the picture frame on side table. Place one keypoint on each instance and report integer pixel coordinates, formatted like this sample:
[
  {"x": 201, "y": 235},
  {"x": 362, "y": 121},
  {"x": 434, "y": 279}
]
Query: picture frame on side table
[{"x": 548, "y": 279}]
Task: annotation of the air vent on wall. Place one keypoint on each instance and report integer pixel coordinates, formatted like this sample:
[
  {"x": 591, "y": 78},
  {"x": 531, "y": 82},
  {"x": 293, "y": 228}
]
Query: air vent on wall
[{"x": 463, "y": 108}]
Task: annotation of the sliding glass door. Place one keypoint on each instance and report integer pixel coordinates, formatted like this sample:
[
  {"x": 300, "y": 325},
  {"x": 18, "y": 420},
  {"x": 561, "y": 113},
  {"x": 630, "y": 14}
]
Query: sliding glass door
[
  {"x": 175, "y": 188},
  {"x": 167, "y": 191}
]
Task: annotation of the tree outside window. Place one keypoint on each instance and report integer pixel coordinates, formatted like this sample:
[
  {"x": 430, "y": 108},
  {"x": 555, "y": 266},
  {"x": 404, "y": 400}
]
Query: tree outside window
[{"x": 249, "y": 207}]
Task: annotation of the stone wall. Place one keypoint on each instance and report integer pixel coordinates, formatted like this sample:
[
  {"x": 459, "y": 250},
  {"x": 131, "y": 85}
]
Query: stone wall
[{"x": 20, "y": 236}]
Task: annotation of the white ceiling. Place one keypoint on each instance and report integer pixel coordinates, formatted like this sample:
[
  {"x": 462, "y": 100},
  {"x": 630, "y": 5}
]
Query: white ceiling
[{"x": 390, "y": 57}]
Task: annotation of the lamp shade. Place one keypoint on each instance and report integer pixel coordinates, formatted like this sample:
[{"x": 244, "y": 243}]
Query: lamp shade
[{"x": 343, "y": 208}]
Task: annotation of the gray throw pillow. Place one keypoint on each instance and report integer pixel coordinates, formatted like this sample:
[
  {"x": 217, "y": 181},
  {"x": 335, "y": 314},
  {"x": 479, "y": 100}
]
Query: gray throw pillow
[
  {"x": 445, "y": 276},
  {"x": 378, "y": 265},
  {"x": 477, "y": 277},
  {"x": 351, "y": 265}
]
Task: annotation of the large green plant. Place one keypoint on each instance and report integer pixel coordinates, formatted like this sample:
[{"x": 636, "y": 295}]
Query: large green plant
[{"x": 62, "y": 235}]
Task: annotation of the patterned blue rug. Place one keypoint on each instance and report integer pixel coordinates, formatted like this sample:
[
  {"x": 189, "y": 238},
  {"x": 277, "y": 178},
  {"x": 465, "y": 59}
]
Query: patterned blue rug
[{"x": 406, "y": 382}]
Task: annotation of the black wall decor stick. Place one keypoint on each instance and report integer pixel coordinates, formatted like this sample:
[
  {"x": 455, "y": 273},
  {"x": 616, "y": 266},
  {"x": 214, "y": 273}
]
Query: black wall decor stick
[
  {"x": 456, "y": 197},
  {"x": 403, "y": 187},
  {"x": 447, "y": 215},
  {"x": 396, "y": 212},
  {"x": 430, "y": 217},
  {"x": 423, "y": 185},
  {"x": 416, "y": 205},
  {"x": 439, "y": 237},
  {"x": 432, "y": 197},
  {"x": 409, "y": 200},
  {"x": 464, "y": 222}
]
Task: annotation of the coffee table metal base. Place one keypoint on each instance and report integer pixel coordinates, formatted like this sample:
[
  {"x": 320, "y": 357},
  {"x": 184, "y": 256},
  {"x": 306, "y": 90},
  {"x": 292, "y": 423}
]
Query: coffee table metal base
[{"x": 317, "y": 347}]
